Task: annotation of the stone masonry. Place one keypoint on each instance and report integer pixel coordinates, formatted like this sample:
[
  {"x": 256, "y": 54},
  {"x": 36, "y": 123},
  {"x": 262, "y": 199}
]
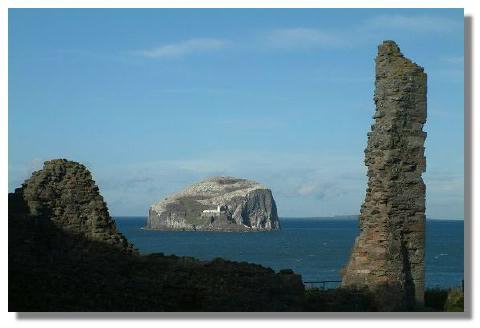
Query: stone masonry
[
  {"x": 65, "y": 253},
  {"x": 388, "y": 255},
  {"x": 64, "y": 193}
]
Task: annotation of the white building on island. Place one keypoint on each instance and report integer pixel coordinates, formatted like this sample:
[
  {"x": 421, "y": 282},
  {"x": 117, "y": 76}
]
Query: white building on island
[{"x": 215, "y": 212}]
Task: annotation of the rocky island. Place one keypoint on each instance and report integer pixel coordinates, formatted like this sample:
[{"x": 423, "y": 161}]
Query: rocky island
[{"x": 217, "y": 204}]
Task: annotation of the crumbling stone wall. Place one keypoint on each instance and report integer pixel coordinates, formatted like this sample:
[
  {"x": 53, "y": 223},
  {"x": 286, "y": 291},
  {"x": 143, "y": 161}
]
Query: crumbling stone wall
[
  {"x": 66, "y": 254},
  {"x": 64, "y": 193},
  {"x": 388, "y": 255}
]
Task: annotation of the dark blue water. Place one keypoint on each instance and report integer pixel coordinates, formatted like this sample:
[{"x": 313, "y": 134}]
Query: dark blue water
[{"x": 315, "y": 248}]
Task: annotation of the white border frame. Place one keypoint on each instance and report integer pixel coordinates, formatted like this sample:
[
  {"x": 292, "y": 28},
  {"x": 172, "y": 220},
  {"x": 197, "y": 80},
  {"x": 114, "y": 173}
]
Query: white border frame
[{"x": 211, "y": 320}]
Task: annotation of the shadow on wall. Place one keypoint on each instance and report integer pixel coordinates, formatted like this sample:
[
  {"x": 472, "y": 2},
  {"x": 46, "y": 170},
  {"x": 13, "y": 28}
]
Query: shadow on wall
[{"x": 53, "y": 270}]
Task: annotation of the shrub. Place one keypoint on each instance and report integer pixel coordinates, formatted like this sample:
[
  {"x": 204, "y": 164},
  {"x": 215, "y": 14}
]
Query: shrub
[{"x": 454, "y": 302}]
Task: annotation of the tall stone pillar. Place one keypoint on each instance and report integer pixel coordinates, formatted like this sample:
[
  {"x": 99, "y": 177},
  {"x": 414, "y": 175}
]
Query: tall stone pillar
[{"x": 388, "y": 255}]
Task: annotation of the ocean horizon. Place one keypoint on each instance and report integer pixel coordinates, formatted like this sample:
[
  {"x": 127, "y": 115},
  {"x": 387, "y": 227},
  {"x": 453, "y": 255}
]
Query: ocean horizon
[
  {"x": 335, "y": 217},
  {"x": 315, "y": 247}
]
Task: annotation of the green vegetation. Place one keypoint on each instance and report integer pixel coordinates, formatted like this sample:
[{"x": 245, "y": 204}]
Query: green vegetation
[
  {"x": 454, "y": 301},
  {"x": 361, "y": 300},
  {"x": 448, "y": 300}
]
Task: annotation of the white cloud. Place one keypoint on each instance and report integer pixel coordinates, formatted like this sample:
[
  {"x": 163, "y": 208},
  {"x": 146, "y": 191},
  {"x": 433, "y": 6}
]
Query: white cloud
[
  {"x": 184, "y": 48},
  {"x": 415, "y": 23},
  {"x": 307, "y": 189},
  {"x": 297, "y": 38},
  {"x": 370, "y": 30},
  {"x": 18, "y": 172},
  {"x": 445, "y": 193},
  {"x": 445, "y": 181},
  {"x": 300, "y": 37},
  {"x": 447, "y": 75},
  {"x": 257, "y": 123},
  {"x": 454, "y": 60},
  {"x": 303, "y": 184}
]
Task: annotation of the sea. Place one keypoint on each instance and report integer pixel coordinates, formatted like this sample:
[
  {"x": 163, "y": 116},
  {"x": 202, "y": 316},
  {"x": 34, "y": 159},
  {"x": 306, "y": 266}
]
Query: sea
[{"x": 316, "y": 248}]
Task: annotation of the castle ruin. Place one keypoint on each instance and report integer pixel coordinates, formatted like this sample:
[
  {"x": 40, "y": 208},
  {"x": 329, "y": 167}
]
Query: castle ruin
[{"x": 388, "y": 255}]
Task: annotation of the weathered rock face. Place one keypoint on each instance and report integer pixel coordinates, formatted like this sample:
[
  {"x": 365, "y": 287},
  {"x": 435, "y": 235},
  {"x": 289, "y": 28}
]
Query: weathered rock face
[
  {"x": 217, "y": 204},
  {"x": 64, "y": 193},
  {"x": 388, "y": 256}
]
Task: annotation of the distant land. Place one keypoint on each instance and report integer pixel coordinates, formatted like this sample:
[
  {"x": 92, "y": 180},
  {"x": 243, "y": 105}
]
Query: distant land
[{"x": 216, "y": 204}]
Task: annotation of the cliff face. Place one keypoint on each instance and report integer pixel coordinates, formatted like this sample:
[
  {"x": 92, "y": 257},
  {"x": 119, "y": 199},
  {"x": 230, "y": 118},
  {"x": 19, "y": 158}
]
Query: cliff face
[
  {"x": 64, "y": 193},
  {"x": 217, "y": 204},
  {"x": 388, "y": 256}
]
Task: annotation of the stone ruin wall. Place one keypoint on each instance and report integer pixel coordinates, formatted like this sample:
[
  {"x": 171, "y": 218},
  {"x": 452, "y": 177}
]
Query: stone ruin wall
[
  {"x": 388, "y": 255},
  {"x": 64, "y": 193},
  {"x": 66, "y": 254}
]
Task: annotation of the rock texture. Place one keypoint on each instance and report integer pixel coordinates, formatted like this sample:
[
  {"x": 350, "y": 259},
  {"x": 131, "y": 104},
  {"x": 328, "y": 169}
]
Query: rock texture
[
  {"x": 65, "y": 254},
  {"x": 244, "y": 205},
  {"x": 64, "y": 193},
  {"x": 388, "y": 255}
]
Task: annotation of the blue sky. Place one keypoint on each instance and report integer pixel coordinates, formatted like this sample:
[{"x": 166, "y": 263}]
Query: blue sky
[{"x": 153, "y": 100}]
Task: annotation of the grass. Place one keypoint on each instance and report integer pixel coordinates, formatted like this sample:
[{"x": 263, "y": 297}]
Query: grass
[
  {"x": 444, "y": 300},
  {"x": 361, "y": 300}
]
